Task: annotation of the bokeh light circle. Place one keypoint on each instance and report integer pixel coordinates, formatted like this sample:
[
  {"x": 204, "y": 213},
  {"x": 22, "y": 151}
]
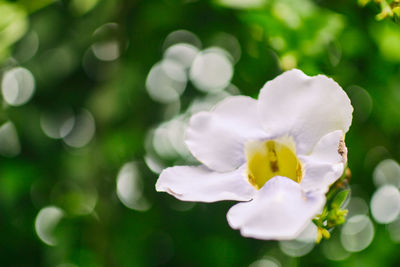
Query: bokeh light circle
[
  {"x": 83, "y": 130},
  {"x": 266, "y": 262},
  {"x": 181, "y": 36},
  {"x": 46, "y": 222},
  {"x": 18, "y": 86},
  {"x": 296, "y": 248},
  {"x": 9, "y": 141},
  {"x": 357, "y": 233},
  {"x": 387, "y": 172},
  {"x": 333, "y": 249},
  {"x": 211, "y": 70},
  {"x": 182, "y": 53},
  {"x": 385, "y": 204},
  {"x": 166, "y": 81},
  {"x": 130, "y": 188},
  {"x": 107, "y": 46}
]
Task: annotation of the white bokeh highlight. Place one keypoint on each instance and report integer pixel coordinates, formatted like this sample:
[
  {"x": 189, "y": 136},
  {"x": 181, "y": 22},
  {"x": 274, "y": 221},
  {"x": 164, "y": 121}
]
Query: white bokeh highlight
[
  {"x": 357, "y": 233},
  {"x": 181, "y": 36},
  {"x": 387, "y": 172},
  {"x": 9, "y": 142},
  {"x": 212, "y": 70},
  {"x": 357, "y": 205},
  {"x": 333, "y": 249},
  {"x": 83, "y": 130},
  {"x": 385, "y": 204},
  {"x": 45, "y": 223},
  {"x": 168, "y": 139},
  {"x": 166, "y": 81},
  {"x": 130, "y": 188},
  {"x": 107, "y": 48},
  {"x": 17, "y": 86},
  {"x": 266, "y": 262},
  {"x": 303, "y": 244},
  {"x": 394, "y": 230},
  {"x": 182, "y": 53},
  {"x": 296, "y": 248},
  {"x": 57, "y": 125}
]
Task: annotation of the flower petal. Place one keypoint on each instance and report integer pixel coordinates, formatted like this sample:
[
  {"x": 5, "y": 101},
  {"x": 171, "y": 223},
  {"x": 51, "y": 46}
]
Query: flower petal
[
  {"x": 280, "y": 210},
  {"x": 217, "y": 138},
  {"x": 191, "y": 183},
  {"x": 325, "y": 164},
  {"x": 304, "y": 107}
]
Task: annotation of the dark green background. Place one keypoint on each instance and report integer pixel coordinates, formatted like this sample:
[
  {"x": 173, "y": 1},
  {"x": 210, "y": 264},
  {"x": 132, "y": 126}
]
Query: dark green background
[{"x": 336, "y": 38}]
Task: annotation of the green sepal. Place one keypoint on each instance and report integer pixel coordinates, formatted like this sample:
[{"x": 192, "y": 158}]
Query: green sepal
[{"x": 340, "y": 199}]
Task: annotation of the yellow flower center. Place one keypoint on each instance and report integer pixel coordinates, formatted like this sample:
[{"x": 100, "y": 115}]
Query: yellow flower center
[{"x": 267, "y": 159}]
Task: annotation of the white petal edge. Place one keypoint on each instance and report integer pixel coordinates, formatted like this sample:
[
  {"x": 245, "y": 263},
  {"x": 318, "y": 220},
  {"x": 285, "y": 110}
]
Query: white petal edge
[
  {"x": 198, "y": 183},
  {"x": 324, "y": 165},
  {"x": 217, "y": 138},
  {"x": 304, "y": 107},
  {"x": 280, "y": 210}
]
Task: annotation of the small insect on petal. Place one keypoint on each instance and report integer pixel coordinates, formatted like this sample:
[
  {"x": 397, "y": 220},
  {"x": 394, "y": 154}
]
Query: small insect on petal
[{"x": 342, "y": 150}]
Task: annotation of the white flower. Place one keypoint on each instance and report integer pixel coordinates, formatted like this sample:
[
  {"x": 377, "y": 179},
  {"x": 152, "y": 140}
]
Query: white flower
[{"x": 279, "y": 153}]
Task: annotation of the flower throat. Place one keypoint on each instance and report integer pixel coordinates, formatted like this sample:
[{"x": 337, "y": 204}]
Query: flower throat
[{"x": 267, "y": 159}]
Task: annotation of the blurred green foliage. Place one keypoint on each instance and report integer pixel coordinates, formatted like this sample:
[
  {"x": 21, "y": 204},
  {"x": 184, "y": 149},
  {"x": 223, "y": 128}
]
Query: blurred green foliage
[{"x": 89, "y": 222}]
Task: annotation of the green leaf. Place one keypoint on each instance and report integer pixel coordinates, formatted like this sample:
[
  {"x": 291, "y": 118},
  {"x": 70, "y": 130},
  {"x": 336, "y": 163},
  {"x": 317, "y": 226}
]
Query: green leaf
[
  {"x": 32, "y": 6},
  {"x": 340, "y": 198}
]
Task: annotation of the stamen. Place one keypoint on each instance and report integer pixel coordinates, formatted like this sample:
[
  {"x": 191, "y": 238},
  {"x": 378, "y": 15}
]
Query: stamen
[{"x": 267, "y": 159}]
